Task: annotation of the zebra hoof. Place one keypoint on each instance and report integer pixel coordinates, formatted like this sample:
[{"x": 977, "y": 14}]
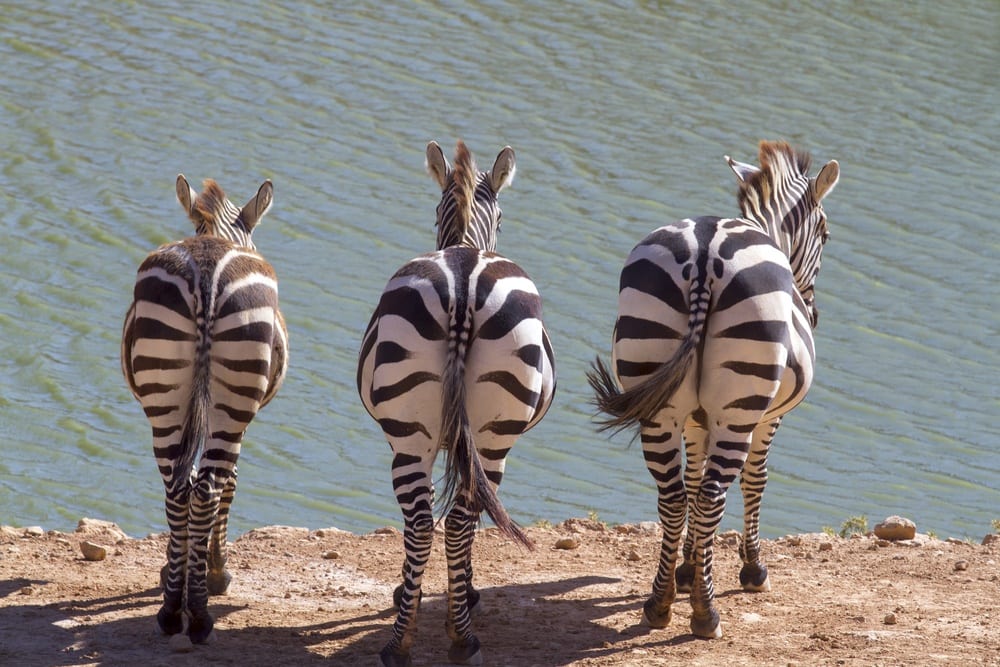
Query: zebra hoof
[
  {"x": 707, "y": 626},
  {"x": 171, "y": 622},
  {"x": 465, "y": 652},
  {"x": 684, "y": 576},
  {"x": 389, "y": 657},
  {"x": 754, "y": 578},
  {"x": 655, "y": 617},
  {"x": 218, "y": 582},
  {"x": 200, "y": 628}
]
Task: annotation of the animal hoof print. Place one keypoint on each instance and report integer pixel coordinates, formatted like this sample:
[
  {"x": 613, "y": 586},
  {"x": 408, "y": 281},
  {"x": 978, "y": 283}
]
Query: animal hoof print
[{"x": 465, "y": 652}]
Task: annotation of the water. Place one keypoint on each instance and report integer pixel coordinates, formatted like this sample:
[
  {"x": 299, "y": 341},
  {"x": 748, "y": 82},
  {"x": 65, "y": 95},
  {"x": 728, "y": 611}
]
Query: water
[{"x": 620, "y": 114}]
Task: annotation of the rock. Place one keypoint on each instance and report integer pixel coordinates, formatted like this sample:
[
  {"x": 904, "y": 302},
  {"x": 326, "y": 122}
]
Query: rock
[
  {"x": 180, "y": 643},
  {"x": 826, "y": 546},
  {"x": 331, "y": 555},
  {"x": 105, "y": 529},
  {"x": 992, "y": 538},
  {"x": 92, "y": 551},
  {"x": 567, "y": 543},
  {"x": 633, "y": 556},
  {"x": 276, "y": 533},
  {"x": 896, "y": 528},
  {"x": 890, "y": 619},
  {"x": 961, "y": 565},
  {"x": 34, "y": 531}
]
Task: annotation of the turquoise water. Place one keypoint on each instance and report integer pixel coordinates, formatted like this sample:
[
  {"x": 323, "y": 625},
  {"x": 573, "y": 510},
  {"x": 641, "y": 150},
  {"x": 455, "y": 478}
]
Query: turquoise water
[{"x": 620, "y": 114}]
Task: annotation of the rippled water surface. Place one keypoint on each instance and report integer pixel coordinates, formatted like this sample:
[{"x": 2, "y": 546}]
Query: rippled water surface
[{"x": 620, "y": 114}]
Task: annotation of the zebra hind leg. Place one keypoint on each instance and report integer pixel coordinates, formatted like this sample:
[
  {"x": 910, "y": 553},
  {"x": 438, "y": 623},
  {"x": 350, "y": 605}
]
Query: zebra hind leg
[
  {"x": 753, "y": 478},
  {"x": 218, "y": 576},
  {"x": 418, "y": 533},
  {"x": 173, "y": 575},
  {"x": 205, "y": 499},
  {"x": 460, "y": 526}
]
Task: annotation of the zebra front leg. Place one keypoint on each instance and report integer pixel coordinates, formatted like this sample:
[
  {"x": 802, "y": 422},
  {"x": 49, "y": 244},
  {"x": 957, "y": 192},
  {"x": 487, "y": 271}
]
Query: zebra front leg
[
  {"x": 753, "y": 479},
  {"x": 460, "y": 526},
  {"x": 662, "y": 452},
  {"x": 218, "y": 576}
]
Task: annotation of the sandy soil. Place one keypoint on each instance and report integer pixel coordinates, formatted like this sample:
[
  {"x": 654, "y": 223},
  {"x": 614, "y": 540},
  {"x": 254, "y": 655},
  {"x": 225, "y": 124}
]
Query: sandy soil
[{"x": 301, "y": 597}]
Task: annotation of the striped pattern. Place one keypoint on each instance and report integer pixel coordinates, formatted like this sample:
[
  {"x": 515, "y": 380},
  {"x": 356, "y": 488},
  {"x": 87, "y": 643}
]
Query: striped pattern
[
  {"x": 204, "y": 347},
  {"x": 455, "y": 358},
  {"x": 712, "y": 346}
]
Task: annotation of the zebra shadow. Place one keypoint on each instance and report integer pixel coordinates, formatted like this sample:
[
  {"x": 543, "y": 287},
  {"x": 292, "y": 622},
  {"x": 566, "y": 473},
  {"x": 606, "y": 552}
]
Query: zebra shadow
[{"x": 516, "y": 623}]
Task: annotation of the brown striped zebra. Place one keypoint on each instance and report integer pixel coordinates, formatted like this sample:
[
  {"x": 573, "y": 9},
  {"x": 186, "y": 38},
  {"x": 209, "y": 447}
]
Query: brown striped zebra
[
  {"x": 204, "y": 347},
  {"x": 455, "y": 358},
  {"x": 714, "y": 342}
]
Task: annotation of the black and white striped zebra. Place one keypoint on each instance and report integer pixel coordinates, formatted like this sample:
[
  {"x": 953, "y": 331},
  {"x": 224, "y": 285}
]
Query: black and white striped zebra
[
  {"x": 713, "y": 341},
  {"x": 455, "y": 358},
  {"x": 204, "y": 347}
]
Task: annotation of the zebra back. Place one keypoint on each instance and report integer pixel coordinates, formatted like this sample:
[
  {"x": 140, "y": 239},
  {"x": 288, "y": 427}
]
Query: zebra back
[
  {"x": 468, "y": 213},
  {"x": 786, "y": 203}
]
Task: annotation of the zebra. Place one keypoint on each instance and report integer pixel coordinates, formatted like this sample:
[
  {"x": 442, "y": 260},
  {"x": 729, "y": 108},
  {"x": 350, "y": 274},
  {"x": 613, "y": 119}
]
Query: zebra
[
  {"x": 204, "y": 347},
  {"x": 713, "y": 341},
  {"x": 455, "y": 357}
]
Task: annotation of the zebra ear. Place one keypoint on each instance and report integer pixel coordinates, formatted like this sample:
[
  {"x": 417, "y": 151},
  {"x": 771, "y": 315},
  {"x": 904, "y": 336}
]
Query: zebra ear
[
  {"x": 185, "y": 194},
  {"x": 259, "y": 204},
  {"x": 437, "y": 164},
  {"x": 742, "y": 170},
  {"x": 503, "y": 170},
  {"x": 828, "y": 176}
]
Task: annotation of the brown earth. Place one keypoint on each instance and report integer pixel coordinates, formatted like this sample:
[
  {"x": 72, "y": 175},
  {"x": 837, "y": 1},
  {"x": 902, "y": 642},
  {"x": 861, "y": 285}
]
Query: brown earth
[{"x": 324, "y": 597}]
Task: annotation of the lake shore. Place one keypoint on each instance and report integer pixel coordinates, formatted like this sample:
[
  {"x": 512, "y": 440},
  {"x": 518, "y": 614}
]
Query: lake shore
[{"x": 302, "y": 597}]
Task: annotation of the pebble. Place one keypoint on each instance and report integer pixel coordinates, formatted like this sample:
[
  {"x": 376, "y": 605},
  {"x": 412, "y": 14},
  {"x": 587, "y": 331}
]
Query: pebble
[
  {"x": 34, "y": 531},
  {"x": 93, "y": 551},
  {"x": 180, "y": 643},
  {"x": 961, "y": 565},
  {"x": 331, "y": 555},
  {"x": 826, "y": 546},
  {"x": 567, "y": 543},
  {"x": 633, "y": 556},
  {"x": 896, "y": 528},
  {"x": 890, "y": 619}
]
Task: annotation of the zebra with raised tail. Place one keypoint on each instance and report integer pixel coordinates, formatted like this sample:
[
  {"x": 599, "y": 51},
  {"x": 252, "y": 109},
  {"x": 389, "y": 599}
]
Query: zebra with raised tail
[
  {"x": 713, "y": 342},
  {"x": 455, "y": 357},
  {"x": 204, "y": 347}
]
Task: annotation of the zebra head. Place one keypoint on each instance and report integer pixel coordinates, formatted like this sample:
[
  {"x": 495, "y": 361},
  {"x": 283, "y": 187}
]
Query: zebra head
[
  {"x": 468, "y": 213},
  {"x": 213, "y": 214},
  {"x": 782, "y": 198}
]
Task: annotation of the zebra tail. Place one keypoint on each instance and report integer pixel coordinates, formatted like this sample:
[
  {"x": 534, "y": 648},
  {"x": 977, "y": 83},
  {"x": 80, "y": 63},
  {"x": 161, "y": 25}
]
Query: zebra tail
[
  {"x": 464, "y": 470},
  {"x": 195, "y": 429},
  {"x": 629, "y": 408}
]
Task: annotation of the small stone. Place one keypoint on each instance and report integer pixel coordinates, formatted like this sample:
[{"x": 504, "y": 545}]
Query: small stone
[
  {"x": 34, "y": 531},
  {"x": 180, "y": 643},
  {"x": 93, "y": 552},
  {"x": 331, "y": 555},
  {"x": 567, "y": 543},
  {"x": 992, "y": 538},
  {"x": 633, "y": 556},
  {"x": 106, "y": 529},
  {"x": 896, "y": 528},
  {"x": 890, "y": 619},
  {"x": 826, "y": 546},
  {"x": 794, "y": 540},
  {"x": 961, "y": 565}
]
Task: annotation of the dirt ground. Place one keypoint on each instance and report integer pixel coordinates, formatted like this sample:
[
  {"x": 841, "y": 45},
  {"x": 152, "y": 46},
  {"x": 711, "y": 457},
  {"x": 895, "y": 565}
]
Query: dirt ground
[{"x": 324, "y": 597}]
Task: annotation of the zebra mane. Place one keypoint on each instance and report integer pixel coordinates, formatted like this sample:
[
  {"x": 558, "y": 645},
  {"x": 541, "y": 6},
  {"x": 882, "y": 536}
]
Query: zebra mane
[
  {"x": 464, "y": 176},
  {"x": 779, "y": 162},
  {"x": 213, "y": 208}
]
